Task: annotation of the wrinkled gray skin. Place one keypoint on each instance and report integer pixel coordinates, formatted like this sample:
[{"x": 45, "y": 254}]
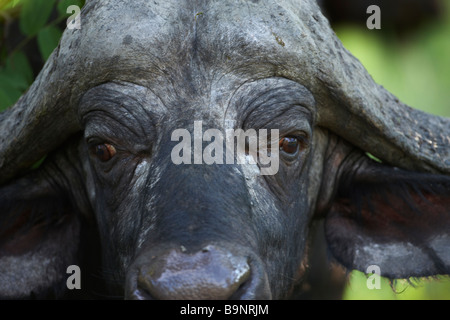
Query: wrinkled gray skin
[
  {"x": 164, "y": 205},
  {"x": 208, "y": 231}
]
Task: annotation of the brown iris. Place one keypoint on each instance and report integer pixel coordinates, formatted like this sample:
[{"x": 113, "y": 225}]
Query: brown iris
[
  {"x": 104, "y": 151},
  {"x": 289, "y": 145}
]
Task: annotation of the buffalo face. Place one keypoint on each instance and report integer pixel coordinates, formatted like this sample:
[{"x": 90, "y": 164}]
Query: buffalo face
[
  {"x": 199, "y": 230},
  {"x": 108, "y": 109}
]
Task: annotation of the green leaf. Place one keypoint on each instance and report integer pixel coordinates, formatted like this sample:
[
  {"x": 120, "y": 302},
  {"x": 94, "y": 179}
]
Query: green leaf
[
  {"x": 5, "y": 100},
  {"x": 7, "y": 4},
  {"x": 48, "y": 38},
  {"x": 15, "y": 80},
  {"x": 64, "y": 4},
  {"x": 12, "y": 80},
  {"x": 18, "y": 64},
  {"x": 9, "y": 93},
  {"x": 34, "y": 15}
]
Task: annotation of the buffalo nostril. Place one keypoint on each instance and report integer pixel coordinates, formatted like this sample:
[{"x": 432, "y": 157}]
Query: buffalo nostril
[{"x": 208, "y": 274}]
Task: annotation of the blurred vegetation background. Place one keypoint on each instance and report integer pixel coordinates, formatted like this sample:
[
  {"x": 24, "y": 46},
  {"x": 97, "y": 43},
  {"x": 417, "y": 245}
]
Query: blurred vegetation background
[
  {"x": 410, "y": 57},
  {"x": 410, "y": 61},
  {"x": 29, "y": 32}
]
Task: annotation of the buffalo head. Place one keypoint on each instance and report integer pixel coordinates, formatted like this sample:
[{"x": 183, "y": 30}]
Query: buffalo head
[{"x": 104, "y": 111}]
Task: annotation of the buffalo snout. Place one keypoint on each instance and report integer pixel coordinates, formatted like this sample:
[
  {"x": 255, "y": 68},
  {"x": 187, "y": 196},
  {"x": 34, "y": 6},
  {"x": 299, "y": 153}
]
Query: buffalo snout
[{"x": 209, "y": 273}]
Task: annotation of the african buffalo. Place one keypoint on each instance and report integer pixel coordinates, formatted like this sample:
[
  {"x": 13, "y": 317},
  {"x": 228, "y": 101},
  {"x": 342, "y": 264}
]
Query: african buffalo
[{"x": 103, "y": 111}]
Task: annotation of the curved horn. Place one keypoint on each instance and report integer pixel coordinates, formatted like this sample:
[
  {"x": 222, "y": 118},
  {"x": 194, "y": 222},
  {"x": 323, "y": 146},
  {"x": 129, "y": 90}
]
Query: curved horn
[
  {"x": 369, "y": 116},
  {"x": 42, "y": 118},
  {"x": 46, "y": 115},
  {"x": 37, "y": 123}
]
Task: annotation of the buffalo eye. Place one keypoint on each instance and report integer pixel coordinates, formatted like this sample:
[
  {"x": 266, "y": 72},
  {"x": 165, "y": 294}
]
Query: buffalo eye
[
  {"x": 289, "y": 145},
  {"x": 103, "y": 151}
]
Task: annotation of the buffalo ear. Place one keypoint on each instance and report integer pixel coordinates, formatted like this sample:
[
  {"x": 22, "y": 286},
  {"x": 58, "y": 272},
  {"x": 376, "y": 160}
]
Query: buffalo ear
[
  {"x": 392, "y": 218},
  {"x": 39, "y": 235}
]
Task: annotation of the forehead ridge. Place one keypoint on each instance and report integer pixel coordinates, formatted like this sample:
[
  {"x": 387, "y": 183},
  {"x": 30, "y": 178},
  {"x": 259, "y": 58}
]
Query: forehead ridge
[{"x": 175, "y": 37}]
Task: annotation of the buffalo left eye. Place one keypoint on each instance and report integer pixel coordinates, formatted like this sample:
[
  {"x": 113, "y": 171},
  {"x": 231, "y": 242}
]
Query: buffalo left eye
[
  {"x": 104, "y": 151},
  {"x": 289, "y": 145}
]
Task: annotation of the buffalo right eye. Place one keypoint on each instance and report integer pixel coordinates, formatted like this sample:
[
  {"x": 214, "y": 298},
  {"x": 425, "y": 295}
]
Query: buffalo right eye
[
  {"x": 289, "y": 145},
  {"x": 103, "y": 151}
]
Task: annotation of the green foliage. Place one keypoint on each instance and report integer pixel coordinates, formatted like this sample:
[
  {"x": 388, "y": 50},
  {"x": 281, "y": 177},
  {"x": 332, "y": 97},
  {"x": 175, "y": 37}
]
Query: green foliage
[
  {"x": 64, "y": 4},
  {"x": 15, "y": 77},
  {"x": 415, "y": 289},
  {"x": 34, "y": 15},
  {"x": 417, "y": 70},
  {"x": 48, "y": 39},
  {"x": 40, "y": 21},
  {"x": 7, "y": 4}
]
